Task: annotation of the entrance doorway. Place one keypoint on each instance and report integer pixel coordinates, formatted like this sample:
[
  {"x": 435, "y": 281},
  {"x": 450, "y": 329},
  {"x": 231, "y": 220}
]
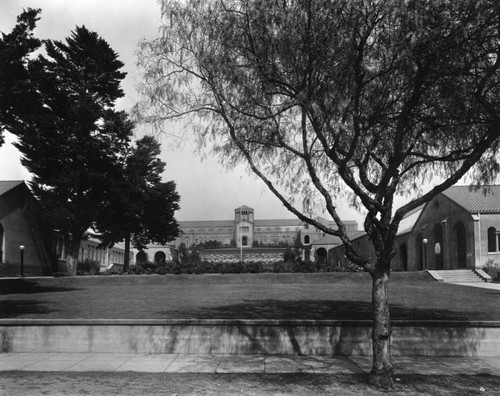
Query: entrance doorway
[
  {"x": 419, "y": 251},
  {"x": 438, "y": 246},
  {"x": 1, "y": 243},
  {"x": 461, "y": 240},
  {"x": 403, "y": 253}
]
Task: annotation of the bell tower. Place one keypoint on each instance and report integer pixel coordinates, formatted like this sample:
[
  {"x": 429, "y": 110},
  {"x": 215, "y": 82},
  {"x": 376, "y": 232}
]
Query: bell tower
[{"x": 243, "y": 226}]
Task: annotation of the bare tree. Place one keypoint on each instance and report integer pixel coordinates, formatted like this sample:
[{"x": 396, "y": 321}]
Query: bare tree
[{"x": 361, "y": 100}]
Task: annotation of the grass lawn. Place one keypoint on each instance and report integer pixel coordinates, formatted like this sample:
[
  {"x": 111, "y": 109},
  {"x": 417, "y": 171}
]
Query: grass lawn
[{"x": 244, "y": 296}]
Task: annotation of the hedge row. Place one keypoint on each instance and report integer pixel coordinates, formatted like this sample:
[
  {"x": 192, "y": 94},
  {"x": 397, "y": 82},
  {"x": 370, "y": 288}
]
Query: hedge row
[{"x": 207, "y": 267}]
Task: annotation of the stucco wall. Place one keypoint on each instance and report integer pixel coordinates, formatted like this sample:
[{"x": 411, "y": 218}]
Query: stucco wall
[
  {"x": 445, "y": 214},
  {"x": 19, "y": 228},
  {"x": 485, "y": 221}
]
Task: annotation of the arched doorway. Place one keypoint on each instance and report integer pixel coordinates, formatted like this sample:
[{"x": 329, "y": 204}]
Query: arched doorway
[
  {"x": 461, "y": 241},
  {"x": 403, "y": 254},
  {"x": 321, "y": 255},
  {"x": 160, "y": 257},
  {"x": 141, "y": 257},
  {"x": 244, "y": 241},
  {"x": 419, "y": 249},
  {"x": 438, "y": 246},
  {"x": 1, "y": 244}
]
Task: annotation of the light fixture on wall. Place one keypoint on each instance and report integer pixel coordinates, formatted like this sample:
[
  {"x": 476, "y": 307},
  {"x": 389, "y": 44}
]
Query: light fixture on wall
[
  {"x": 425, "y": 240},
  {"x": 21, "y": 251}
]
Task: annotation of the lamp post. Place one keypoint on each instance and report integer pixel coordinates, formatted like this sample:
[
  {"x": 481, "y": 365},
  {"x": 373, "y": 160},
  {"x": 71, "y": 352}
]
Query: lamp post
[
  {"x": 425, "y": 252},
  {"x": 241, "y": 245},
  {"x": 21, "y": 251}
]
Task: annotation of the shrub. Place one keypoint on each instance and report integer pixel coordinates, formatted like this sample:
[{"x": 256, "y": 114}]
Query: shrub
[
  {"x": 491, "y": 268},
  {"x": 88, "y": 267}
]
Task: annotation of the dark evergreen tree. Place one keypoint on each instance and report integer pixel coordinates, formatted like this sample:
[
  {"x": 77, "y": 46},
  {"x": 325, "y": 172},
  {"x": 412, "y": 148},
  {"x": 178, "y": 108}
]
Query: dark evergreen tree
[
  {"x": 140, "y": 208},
  {"x": 18, "y": 98},
  {"x": 75, "y": 140}
]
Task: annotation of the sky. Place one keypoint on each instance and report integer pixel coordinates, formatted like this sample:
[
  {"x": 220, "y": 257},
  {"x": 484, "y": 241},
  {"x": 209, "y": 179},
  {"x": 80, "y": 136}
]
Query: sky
[{"x": 208, "y": 191}]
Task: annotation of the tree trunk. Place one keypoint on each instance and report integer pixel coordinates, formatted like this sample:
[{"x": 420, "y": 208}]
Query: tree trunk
[
  {"x": 126, "y": 256},
  {"x": 72, "y": 257},
  {"x": 382, "y": 370}
]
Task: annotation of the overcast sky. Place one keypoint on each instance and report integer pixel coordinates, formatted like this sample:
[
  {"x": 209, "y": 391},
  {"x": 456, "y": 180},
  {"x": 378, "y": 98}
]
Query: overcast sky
[{"x": 208, "y": 191}]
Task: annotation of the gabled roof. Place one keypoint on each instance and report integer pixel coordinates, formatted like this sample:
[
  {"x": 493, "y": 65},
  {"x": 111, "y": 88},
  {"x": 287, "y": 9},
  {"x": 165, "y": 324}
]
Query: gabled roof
[
  {"x": 7, "y": 185},
  {"x": 484, "y": 200}
]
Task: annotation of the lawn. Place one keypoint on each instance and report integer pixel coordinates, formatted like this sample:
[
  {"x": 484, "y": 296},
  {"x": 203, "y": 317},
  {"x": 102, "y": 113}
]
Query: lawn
[{"x": 245, "y": 296}]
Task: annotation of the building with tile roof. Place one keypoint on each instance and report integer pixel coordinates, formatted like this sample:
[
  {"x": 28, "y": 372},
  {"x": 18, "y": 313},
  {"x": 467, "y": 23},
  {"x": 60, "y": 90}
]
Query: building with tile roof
[
  {"x": 245, "y": 231},
  {"x": 19, "y": 227},
  {"x": 459, "y": 228}
]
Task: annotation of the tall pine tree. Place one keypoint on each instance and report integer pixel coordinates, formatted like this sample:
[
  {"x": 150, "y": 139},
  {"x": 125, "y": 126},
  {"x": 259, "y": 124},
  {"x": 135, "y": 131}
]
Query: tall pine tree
[
  {"x": 140, "y": 207},
  {"x": 76, "y": 139}
]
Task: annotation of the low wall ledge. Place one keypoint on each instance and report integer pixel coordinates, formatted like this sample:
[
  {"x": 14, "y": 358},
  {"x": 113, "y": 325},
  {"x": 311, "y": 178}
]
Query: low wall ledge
[{"x": 242, "y": 322}]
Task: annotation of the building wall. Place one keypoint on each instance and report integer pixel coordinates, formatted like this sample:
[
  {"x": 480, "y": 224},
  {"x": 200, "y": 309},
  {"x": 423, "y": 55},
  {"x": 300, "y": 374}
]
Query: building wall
[
  {"x": 483, "y": 223},
  {"x": 18, "y": 228},
  {"x": 445, "y": 236},
  {"x": 438, "y": 224}
]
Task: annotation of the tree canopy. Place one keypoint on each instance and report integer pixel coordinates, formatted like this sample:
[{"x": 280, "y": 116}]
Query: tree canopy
[
  {"x": 74, "y": 139},
  {"x": 18, "y": 97},
  {"x": 359, "y": 100},
  {"x": 139, "y": 207}
]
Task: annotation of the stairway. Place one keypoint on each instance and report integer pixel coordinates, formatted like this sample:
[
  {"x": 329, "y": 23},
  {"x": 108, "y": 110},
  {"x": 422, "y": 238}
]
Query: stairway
[{"x": 459, "y": 276}]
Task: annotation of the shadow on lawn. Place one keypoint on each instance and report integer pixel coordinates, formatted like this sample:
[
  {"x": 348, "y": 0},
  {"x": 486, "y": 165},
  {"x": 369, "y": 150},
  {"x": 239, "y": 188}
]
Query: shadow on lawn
[
  {"x": 21, "y": 286},
  {"x": 15, "y": 308},
  {"x": 315, "y": 310}
]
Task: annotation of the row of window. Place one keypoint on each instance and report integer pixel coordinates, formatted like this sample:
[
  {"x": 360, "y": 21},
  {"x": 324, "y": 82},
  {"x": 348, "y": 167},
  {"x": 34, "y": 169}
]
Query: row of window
[
  {"x": 230, "y": 230},
  {"x": 493, "y": 240}
]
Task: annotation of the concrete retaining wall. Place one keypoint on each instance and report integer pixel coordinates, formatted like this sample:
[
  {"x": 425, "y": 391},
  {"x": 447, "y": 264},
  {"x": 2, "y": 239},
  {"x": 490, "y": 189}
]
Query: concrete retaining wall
[{"x": 305, "y": 337}]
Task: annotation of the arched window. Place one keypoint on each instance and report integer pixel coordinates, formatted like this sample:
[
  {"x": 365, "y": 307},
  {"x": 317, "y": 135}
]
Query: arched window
[
  {"x": 307, "y": 239},
  {"x": 403, "y": 253},
  {"x": 160, "y": 257},
  {"x": 141, "y": 257},
  {"x": 492, "y": 239}
]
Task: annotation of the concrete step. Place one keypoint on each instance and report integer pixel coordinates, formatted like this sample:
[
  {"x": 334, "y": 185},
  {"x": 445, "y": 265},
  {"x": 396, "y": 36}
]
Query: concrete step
[{"x": 459, "y": 276}]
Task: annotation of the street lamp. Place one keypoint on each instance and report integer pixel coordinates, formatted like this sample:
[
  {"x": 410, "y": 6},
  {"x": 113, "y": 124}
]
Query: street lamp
[
  {"x": 21, "y": 251},
  {"x": 241, "y": 244},
  {"x": 425, "y": 252}
]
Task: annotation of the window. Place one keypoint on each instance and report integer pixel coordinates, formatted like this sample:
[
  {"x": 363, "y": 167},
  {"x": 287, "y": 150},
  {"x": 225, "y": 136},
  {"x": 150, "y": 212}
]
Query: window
[
  {"x": 306, "y": 239},
  {"x": 492, "y": 240}
]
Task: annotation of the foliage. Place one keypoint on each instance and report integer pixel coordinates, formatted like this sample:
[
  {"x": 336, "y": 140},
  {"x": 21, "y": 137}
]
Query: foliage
[
  {"x": 139, "y": 207},
  {"x": 360, "y": 100},
  {"x": 492, "y": 268},
  {"x": 18, "y": 97},
  {"x": 88, "y": 267},
  {"x": 72, "y": 139}
]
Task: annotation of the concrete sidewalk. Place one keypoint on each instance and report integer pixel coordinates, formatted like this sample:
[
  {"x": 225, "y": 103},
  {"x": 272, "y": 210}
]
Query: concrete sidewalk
[{"x": 183, "y": 363}]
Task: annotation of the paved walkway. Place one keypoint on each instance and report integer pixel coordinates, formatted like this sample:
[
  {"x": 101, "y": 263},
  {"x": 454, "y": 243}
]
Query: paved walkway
[
  {"x": 180, "y": 363},
  {"x": 483, "y": 285}
]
